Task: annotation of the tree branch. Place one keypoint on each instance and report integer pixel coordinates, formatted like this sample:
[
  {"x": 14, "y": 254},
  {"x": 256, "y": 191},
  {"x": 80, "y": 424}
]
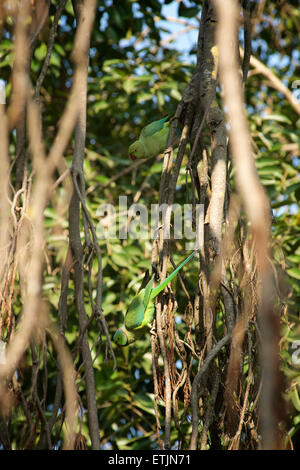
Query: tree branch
[
  {"x": 274, "y": 81},
  {"x": 258, "y": 213},
  {"x": 84, "y": 12},
  {"x": 196, "y": 382}
]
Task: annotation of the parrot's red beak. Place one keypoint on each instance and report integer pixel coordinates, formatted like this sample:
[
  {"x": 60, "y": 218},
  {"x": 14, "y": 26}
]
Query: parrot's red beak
[{"x": 132, "y": 157}]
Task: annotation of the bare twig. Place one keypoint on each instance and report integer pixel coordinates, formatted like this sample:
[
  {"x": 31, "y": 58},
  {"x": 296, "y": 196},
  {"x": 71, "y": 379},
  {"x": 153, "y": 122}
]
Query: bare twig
[
  {"x": 98, "y": 306},
  {"x": 85, "y": 12},
  {"x": 50, "y": 45},
  {"x": 4, "y": 193},
  {"x": 274, "y": 81},
  {"x": 34, "y": 318},
  {"x": 124, "y": 172},
  {"x": 247, "y": 38},
  {"x": 197, "y": 379}
]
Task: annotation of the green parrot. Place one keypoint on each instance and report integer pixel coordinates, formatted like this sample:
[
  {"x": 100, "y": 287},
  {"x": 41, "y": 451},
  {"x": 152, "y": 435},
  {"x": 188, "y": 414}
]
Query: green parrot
[
  {"x": 139, "y": 315},
  {"x": 152, "y": 141}
]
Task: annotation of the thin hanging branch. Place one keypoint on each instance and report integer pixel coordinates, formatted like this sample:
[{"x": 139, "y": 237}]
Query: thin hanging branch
[
  {"x": 84, "y": 12},
  {"x": 197, "y": 381},
  {"x": 34, "y": 318},
  {"x": 247, "y": 38},
  {"x": 50, "y": 45}
]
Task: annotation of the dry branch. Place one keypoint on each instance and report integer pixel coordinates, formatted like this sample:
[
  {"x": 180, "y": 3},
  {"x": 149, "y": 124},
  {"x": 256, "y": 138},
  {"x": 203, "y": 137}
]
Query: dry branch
[
  {"x": 197, "y": 381},
  {"x": 274, "y": 81},
  {"x": 27, "y": 244},
  {"x": 258, "y": 213},
  {"x": 84, "y": 12}
]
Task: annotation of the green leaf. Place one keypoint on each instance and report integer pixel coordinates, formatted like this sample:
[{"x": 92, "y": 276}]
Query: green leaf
[
  {"x": 129, "y": 85},
  {"x": 294, "y": 258},
  {"x": 7, "y": 60},
  {"x": 112, "y": 34},
  {"x": 266, "y": 161},
  {"x": 175, "y": 94},
  {"x": 120, "y": 259},
  {"x": 40, "y": 52},
  {"x": 295, "y": 397},
  {"x": 144, "y": 96},
  {"x": 294, "y": 272},
  {"x": 188, "y": 12},
  {"x": 55, "y": 59},
  {"x": 145, "y": 402},
  {"x": 100, "y": 106},
  {"x": 292, "y": 188},
  {"x": 276, "y": 117},
  {"x": 59, "y": 49},
  {"x": 160, "y": 99}
]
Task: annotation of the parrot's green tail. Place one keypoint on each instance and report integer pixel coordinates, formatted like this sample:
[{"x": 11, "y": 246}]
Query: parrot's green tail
[{"x": 164, "y": 283}]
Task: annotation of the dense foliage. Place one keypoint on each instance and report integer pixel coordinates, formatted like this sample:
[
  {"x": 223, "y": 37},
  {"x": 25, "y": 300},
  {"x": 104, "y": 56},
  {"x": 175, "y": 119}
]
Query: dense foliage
[{"x": 135, "y": 77}]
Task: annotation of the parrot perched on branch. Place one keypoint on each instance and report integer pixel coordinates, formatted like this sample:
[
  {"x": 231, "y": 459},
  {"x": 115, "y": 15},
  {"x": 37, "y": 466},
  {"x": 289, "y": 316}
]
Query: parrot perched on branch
[
  {"x": 152, "y": 141},
  {"x": 139, "y": 315}
]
